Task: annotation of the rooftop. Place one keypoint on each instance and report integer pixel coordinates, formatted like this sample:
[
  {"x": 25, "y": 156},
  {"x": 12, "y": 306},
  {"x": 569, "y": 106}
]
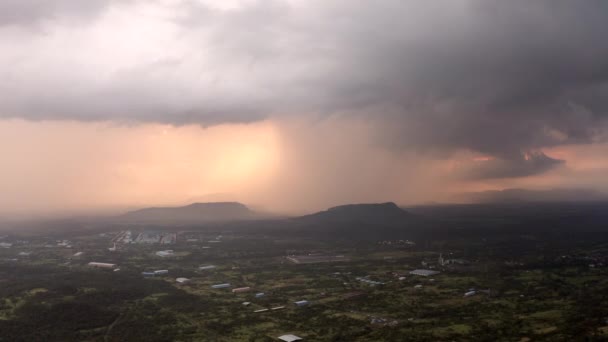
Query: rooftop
[
  {"x": 290, "y": 338},
  {"x": 424, "y": 273}
]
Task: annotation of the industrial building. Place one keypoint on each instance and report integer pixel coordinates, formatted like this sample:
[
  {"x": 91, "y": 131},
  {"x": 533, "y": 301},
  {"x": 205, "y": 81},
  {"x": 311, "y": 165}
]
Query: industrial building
[
  {"x": 165, "y": 253},
  {"x": 101, "y": 265},
  {"x": 424, "y": 273}
]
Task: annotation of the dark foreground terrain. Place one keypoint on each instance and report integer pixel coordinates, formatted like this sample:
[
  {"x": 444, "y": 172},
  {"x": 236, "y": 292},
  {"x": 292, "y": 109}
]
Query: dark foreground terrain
[{"x": 506, "y": 273}]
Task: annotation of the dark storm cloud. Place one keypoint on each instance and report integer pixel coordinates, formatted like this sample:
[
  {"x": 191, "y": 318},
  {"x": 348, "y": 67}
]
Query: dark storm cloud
[
  {"x": 502, "y": 78},
  {"x": 31, "y": 12},
  {"x": 522, "y": 166}
]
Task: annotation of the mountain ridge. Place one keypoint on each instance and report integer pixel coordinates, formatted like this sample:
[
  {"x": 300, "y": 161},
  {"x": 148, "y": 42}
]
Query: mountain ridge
[
  {"x": 387, "y": 213},
  {"x": 194, "y": 212}
]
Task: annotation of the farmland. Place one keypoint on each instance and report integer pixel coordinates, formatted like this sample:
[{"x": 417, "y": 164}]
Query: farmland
[{"x": 50, "y": 293}]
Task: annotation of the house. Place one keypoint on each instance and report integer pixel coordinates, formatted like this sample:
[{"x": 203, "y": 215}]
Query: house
[
  {"x": 302, "y": 303},
  {"x": 424, "y": 273},
  {"x": 182, "y": 280},
  {"x": 101, "y": 265},
  {"x": 221, "y": 286},
  {"x": 290, "y": 338},
  {"x": 241, "y": 290}
]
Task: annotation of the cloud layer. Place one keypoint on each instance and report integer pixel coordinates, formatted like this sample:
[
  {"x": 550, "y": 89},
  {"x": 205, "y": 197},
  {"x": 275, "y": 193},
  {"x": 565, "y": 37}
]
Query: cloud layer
[{"x": 504, "y": 79}]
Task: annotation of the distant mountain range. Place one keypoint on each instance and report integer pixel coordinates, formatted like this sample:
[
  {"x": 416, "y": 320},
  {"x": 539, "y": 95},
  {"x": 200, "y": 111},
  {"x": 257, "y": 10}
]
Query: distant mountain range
[
  {"x": 193, "y": 213},
  {"x": 376, "y": 213},
  {"x": 523, "y": 195},
  {"x": 379, "y": 214},
  {"x": 387, "y": 214}
]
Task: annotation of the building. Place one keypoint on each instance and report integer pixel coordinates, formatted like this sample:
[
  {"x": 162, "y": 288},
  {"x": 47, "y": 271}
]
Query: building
[
  {"x": 165, "y": 253},
  {"x": 470, "y": 293},
  {"x": 313, "y": 259},
  {"x": 161, "y": 272},
  {"x": 182, "y": 280},
  {"x": 277, "y": 308},
  {"x": 207, "y": 267},
  {"x": 101, "y": 265},
  {"x": 241, "y": 290},
  {"x": 259, "y": 295},
  {"x": 260, "y": 310},
  {"x": 301, "y": 303},
  {"x": 424, "y": 273},
  {"x": 148, "y": 274},
  {"x": 290, "y": 338},
  {"x": 369, "y": 281},
  {"x": 77, "y": 254},
  {"x": 445, "y": 262},
  {"x": 221, "y": 286}
]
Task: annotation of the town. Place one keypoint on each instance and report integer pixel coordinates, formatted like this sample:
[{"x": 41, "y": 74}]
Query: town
[{"x": 224, "y": 285}]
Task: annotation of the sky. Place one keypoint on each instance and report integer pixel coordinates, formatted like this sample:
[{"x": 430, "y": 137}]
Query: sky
[{"x": 296, "y": 105}]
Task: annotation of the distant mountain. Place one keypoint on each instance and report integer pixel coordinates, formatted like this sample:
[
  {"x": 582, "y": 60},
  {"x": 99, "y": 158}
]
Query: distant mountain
[
  {"x": 388, "y": 214},
  {"x": 193, "y": 213},
  {"x": 523, "y": 195}
]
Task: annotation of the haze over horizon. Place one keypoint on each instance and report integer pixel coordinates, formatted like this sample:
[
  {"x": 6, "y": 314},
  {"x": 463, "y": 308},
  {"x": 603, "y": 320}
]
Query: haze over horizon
[{"x": 295, "y": 106}]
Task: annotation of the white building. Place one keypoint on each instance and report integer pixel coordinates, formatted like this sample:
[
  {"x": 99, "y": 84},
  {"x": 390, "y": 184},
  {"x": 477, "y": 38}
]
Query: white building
[
  {"x": 166, "y": 253},
  {"x": 290, "y": 338},
  {"x": 424, "y": 273}
]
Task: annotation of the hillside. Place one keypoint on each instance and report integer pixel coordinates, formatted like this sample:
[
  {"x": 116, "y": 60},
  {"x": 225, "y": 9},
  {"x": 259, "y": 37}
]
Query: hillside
[
  {"x": 193, "y": 213},
  {"x": 386, "y": 214}
]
